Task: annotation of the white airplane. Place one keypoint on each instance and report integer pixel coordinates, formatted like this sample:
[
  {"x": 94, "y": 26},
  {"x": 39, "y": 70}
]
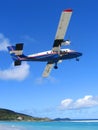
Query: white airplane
[{"x": 52, "y": 57}]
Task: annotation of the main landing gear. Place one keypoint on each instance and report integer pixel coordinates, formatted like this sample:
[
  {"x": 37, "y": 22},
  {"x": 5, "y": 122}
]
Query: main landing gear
[{"x": 55, "y": 66}]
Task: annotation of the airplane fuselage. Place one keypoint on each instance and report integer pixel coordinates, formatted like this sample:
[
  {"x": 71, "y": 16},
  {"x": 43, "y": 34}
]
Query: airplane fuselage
[{"x": 52, "y": 56}]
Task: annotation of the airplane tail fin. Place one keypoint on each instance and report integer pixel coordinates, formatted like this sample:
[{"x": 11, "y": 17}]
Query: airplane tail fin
[{"x": 16, "y": 53}]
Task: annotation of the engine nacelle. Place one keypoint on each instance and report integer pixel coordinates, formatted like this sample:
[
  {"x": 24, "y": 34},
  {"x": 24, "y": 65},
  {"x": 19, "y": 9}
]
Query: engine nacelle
[{"x": 67, "y": 42}]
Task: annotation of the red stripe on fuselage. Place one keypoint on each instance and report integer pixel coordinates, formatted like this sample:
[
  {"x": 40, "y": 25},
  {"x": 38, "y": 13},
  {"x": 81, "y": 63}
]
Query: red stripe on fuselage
[{"x": 42, "y": 54}]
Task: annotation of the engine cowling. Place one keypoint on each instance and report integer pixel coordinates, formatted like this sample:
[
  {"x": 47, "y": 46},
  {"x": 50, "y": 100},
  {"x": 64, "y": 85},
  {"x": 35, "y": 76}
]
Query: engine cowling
[{"x": 67, "y": 42}]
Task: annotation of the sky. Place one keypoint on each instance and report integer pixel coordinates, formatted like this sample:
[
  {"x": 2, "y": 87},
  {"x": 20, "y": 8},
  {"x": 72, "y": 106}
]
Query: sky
[{"x": 71, "y": 90}]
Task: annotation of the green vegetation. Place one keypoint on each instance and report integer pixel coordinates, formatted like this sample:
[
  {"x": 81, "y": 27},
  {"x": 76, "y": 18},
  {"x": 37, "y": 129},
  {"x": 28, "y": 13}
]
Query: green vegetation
[{"x": 9, "y": 115}]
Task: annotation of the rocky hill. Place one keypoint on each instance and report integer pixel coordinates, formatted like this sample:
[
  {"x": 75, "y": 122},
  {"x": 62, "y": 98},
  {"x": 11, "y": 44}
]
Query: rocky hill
[
  {"x": 61, "y": 119},
  {"x": 6, "y": 114}
]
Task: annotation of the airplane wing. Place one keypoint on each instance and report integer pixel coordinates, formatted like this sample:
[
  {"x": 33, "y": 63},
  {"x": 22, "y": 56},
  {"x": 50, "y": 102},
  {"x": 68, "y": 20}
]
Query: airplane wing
[
  {"x": 47, "y": 69},
  {"x": 59, "y": 38},
  {"x": 62, "y": 28}
]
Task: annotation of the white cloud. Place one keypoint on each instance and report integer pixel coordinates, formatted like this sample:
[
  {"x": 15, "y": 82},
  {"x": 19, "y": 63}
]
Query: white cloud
[
  {"x": 15, "y": 73},
  {"x": 52, "y": 79},
  {"x": 85, "y": 102},
  {"x": 39, "y": 80},
  {"x": 66, "y": 103},
  {"x": 42, "y": 80},
  {"x": 4, "y": 42}
]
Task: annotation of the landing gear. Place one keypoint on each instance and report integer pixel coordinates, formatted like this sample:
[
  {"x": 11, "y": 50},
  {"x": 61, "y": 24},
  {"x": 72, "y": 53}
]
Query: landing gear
[
  {"x": 55, "y": 67},
  {"x": 77, "y": 59}
]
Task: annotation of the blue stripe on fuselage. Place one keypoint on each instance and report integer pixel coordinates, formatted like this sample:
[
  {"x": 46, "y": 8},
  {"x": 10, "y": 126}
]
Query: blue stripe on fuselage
[
  {"x": 47, "y": 57},
  {"x": 53, "y": 57}
]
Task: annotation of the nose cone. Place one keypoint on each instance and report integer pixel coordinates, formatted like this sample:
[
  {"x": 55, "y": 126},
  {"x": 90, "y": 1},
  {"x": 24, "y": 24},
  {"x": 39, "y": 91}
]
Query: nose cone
[{"x": 79, "y": 54}]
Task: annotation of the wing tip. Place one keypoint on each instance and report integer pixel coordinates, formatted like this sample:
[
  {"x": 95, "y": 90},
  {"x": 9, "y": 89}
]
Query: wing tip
[{"x": 68, "y": 10}]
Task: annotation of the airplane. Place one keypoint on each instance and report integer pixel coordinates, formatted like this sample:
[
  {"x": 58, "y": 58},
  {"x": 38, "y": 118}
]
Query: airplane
[{"x": 54, "y": 56}]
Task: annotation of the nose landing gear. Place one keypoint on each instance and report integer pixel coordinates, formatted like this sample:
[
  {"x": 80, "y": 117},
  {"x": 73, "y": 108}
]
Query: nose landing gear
[{"x": 77, "y": 59}]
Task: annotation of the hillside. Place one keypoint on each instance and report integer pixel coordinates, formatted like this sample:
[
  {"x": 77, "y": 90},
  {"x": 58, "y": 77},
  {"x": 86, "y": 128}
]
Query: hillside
[
  {"x": 61, "y": 119},
  {"x": 6, "y": 114}
]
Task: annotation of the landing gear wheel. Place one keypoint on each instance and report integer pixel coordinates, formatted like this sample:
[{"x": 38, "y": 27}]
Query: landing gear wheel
[
  {"x": 77, "y": 59},
  {"x": 55, "y": 67}
]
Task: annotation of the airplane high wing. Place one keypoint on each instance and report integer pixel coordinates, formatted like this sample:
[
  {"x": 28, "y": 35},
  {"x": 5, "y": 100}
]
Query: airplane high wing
[
  {"x": 62, "y": 28},
  {"x": 59, "y": 38},
  {"x": 48, "y": 69}
]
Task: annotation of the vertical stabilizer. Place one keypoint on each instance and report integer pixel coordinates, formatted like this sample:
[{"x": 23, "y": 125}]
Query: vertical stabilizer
[{"x": 16, "y": 52}]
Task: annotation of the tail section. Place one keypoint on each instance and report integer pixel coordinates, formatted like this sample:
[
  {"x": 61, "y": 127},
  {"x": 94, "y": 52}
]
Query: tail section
[{"x": 16, "y": 52}]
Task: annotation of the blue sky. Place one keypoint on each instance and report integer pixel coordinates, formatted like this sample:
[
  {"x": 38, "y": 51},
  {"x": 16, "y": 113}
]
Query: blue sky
[{"x": 72, "y": 90}]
